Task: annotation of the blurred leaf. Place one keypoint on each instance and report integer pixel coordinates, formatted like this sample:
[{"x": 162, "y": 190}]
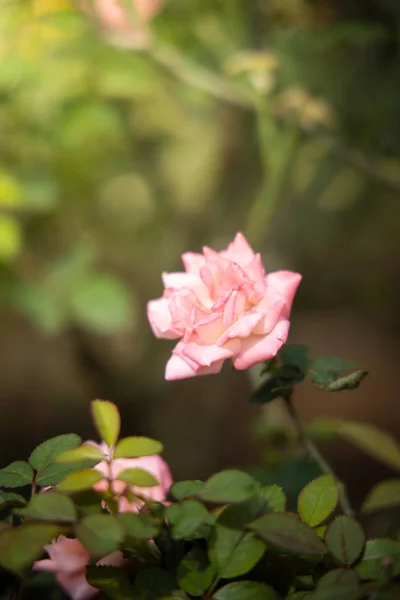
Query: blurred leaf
[
  {"x": 16, "y": 474},
  {"x": 188, "y": 519},
  {"x": 381, "y": 548},
  {"x": 338, "y": 584},
  {"x": 138, "y": 477},
  {"x": 295, "y": 355},
  {"x": 345, "y": 540},
  {"x": 139, "y": 525},
  {"x": 10, "y": 238},
  {"x": 228, "y": 486},
  {"x": 275, "y": 497},
  {"x": 153, "y": 582},
  {"x": 11, "y": 499},
  {"x": 136, "y": 447},
  {"x": 84, "y": 452},
  {"x": 102, "y": 303},
  {"x": 318, "y": 500},
  {"x": 185, "y": 489},
  {"x": 111, "y": 580},
  {"x": 278, "y": 385},
  {"x": 246, "y": 590},
  {"x": 53, "y": 474},
  {"x": 326, "y": 370},
  {"x": 49, "y": 506},
  {"x": 107, "y": 420},
  {"x": 80, "y": 480},
  {"x": 195, "y": 572},
  {"x": 386, "y": 494},
  {"x": 19, "y": 547},
  {"x": 288, "y": 533},
  {"x": 100, "y": 534},
  {"x": 375, "y": 442},
  {"x": 46, "y": 452}
]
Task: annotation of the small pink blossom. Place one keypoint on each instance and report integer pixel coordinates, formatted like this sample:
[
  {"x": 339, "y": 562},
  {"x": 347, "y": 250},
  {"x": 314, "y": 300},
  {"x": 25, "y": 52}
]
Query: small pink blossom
[
  {"x": 117, "y": 18},
  {"x": 68, "y": 558},
  {"x": 222, "y": 306},
  {"x": 154, "y": 465}
]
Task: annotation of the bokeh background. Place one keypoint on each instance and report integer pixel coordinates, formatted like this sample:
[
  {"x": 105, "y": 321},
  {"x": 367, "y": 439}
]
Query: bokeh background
[{"x": 130, "y": 133}]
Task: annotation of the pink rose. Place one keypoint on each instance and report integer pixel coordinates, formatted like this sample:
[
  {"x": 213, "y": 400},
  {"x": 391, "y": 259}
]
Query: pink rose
[
  {"x": 223, "y": 306},
  {"x": 116, "y": 18},
  {"x": 154, "y": 465},
  {"x": 68, "y": 559}
]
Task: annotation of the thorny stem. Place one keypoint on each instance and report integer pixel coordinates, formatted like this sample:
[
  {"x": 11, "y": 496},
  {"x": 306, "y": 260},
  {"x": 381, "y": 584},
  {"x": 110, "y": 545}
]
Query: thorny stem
[{"x": 314, "y": 453}]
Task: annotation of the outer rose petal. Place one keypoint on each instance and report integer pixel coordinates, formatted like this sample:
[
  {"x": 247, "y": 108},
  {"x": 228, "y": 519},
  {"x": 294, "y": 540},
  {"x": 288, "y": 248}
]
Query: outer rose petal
[
  {"x": 205, "y": 356},
  {"x": 115, "y": 559},
  {"x": 286, "y": 283},
  {"x": 241, "y": 329},
  {"x": 76, "y": 585},
  {"x": 257, "y": 348},
  {"x": 177, "y": 368},
  {"x": 193, "y": 262},
  {"x": 239, "y": 251},
  {"x": 160, "y": 319},
  {"x": 67, "y": 554}
]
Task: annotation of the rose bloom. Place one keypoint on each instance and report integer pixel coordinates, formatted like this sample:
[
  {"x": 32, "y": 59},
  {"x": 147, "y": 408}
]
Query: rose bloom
[
  {"x": 68, "y": 558},
  {"x": 223, "y": 306},
  {"x": 154, "y": 465},
  {"x": 115, "y": 17}
]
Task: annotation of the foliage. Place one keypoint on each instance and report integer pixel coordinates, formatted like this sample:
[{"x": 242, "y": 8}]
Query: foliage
[{"x": 226, "y": 538}]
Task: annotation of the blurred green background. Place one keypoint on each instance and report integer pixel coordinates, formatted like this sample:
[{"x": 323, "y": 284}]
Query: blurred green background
[{"x": 125, "y": 141}]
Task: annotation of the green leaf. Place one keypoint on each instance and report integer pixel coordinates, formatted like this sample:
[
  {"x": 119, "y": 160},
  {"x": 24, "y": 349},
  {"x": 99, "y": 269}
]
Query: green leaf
[
  {"x": 195, "y": 573},
  {"x": 381, "y": 560},
  {"x": 11, "y": 499},
  {"x": 85, "y": 452},
  {"x": 288, "y": 533},
  {"x": 46, "y": 452},
  {"x": 327, "y": 372},
  {"x": 20, "y": 547},
  {"x": 246, "y": 590},
  {"x": 275, "y": 497},
  {"x": 137, "y": 446},
  {"x": 107, "y": 420},
  {"x": 49, "y": 506},
  {"x": 228, "y": 486},
  {"x": 337, "y": 585},
  {"x": 151, "y": 583},
  {"x": 295, "y": 355},
  {"x": 188, "y": 519},
  {"x": 102, "y": 303},
  {"x": 138, "y": 477},
  {"x": 139, "y": 525},
  {"x": 385, "y": 494},
  {"x": 111, "y": 580},
  {"x": 16, "y": 474},
  {"x": 318, "y": 500},
  {"x": 233, "y": 550},
  {"x": 378, "y": 444},
  {"x": 347, "y": 382},
  {"x": 345, "y": 540},
  {"x": 186, "y": 489},
  {"x": 278, "y": 385},
  {"x": 100, "y": 534},
  {"x": 80, "y": 480},
  {"x": 53, "y": 474}
]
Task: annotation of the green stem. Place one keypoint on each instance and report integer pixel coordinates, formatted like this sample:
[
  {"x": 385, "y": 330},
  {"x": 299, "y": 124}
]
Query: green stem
[
  {"x": 276, "y": 150},
  {"x": 314, "y": 453}
]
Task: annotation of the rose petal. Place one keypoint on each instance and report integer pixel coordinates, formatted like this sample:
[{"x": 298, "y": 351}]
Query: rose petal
[
  {"x": 241, "y": 329},
  {"x": 159, "y": 316},
  {"x": 256, "y": 349},
  {"x": 239, "y": 251},
  {"x": 193, "y": 262},
  {"x": 205, "y": 355},
  {"x": 286, "y": 283},
  {"x": 76, "y": 585}
]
